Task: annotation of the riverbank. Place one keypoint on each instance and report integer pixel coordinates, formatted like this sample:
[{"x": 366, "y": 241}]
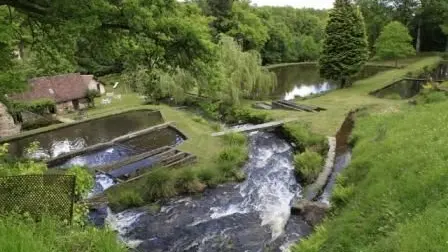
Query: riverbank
[
  {"x": 393, "y": 195},
  {"x": 339, "y": 102}
]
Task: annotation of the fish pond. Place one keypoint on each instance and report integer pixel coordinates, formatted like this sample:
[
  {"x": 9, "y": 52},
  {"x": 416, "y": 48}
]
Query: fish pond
[{"x": 71, "y": 137}]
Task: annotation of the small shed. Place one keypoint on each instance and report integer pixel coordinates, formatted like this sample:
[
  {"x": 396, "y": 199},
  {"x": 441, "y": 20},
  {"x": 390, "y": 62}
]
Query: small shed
[{"x": 67, "y": 90}]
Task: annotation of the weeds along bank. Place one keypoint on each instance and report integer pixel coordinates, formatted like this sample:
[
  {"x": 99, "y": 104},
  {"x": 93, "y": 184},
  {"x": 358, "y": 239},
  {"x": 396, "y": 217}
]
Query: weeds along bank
[
  {"x": 162, "y": 183},
  {"x": 393, "y": 196},
  {"x": 50, "y": 234}
]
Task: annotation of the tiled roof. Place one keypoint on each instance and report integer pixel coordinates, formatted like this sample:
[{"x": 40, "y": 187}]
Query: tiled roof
[{"x": 59, "y": 88}]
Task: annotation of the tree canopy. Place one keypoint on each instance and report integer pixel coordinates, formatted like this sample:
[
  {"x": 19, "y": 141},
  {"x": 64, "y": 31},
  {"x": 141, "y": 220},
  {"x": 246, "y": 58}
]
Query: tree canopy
[
  {"x": 394, "y": 42},
  {"x": 345, "y": 47}
]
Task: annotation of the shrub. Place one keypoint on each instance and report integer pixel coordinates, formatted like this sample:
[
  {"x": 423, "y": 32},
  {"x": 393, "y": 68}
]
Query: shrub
[
  {"x": 160, "y": 183},
  {"x": 308, "y": 165},
  {"x": 91, "y": 94},
  {"x": 126, "y": 198},
  {"x": 84, "y": 180},
  {"x": 210, "y": 176},
  {"x": 250, "y": 116},
  {"x": 227, "y": 169},
  {"x": 187, "y": 181}
]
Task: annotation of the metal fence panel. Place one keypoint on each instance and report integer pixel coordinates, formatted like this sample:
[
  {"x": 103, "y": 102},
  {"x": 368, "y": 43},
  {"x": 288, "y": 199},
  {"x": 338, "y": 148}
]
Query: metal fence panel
[{"x": 38, "y": 195}]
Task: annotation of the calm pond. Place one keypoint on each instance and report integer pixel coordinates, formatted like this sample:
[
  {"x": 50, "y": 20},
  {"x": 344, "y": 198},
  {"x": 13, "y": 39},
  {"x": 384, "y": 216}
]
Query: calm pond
[
  {"x": 304, "y": 80},
  {"x": 78, "y": 136},
  {"x": 408, "y": 88}
]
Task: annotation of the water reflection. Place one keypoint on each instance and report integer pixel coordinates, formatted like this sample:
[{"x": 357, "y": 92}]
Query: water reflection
[
  {"x": 304, "y": 80},
  {"x": 78, "y": 136}
]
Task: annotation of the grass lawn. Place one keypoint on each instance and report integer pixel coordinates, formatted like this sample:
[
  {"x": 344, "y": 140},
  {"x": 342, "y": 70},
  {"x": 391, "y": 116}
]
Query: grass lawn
[
  {"x": 394, "y": 192},
  {"x": 200, "y": 142},
  {"x": 339, "y": 102}
]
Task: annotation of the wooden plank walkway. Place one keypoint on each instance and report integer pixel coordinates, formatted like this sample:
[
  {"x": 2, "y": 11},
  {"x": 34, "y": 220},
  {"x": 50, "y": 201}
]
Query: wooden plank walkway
[{"x": 257, "y": 127}]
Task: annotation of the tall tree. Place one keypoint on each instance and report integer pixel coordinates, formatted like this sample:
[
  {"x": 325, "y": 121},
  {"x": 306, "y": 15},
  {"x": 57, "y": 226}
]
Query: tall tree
[
  {"x": 345, "y": 47},
  {"x": 394, "y": 42}
]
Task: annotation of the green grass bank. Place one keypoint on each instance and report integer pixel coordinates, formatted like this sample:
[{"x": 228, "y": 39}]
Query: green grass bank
[
  {"x": 393, "y": 196},
  {"x": 340, "y": 101}
]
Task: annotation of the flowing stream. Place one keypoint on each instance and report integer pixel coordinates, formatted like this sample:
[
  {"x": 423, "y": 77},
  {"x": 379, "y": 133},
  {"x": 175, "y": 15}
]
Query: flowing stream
[{"x": 250, "y": 216}]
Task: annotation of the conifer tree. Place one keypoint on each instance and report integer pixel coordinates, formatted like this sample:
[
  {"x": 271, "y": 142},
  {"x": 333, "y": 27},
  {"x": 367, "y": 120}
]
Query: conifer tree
[{"x": 345, "y": 47}]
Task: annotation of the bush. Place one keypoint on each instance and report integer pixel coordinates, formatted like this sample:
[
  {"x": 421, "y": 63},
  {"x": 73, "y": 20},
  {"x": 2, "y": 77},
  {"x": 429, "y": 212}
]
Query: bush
[
  {"x": 308, "y": 165},
  {"x": 245, "y": 115},
  {"x": 91, "y": 94},
  {"x": 160, "y": 183},
  {"x": 187, "y": 181},
  {"x": 84, "y": 180},
  {"x": 210, "y": 176},
  {"x": 127, "y": 198}
]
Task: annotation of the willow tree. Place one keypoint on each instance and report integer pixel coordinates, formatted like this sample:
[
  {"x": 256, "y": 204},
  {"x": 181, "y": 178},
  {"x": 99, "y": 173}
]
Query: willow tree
[
  {"x": 345, "y": 47},
  {"x": 241, "y": 73}
]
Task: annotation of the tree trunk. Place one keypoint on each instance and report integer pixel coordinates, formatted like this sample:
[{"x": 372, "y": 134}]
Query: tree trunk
[
  {"x": 418, "y": 42},
  {"x": 21, "y": 49},
  {"x": 446, "y": 44}
]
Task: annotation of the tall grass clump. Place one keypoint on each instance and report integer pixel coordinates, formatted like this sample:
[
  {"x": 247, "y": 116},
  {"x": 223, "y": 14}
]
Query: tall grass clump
[
  {"x": 308, "y": 165},
  {"x": 394, "y": 193},
  {"x": 160, "y": 183},
  {"x": 303, "y": 138}
]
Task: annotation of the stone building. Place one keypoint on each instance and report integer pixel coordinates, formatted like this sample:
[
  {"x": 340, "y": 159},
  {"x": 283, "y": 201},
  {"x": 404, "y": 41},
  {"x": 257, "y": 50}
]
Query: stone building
[
  {"x": 67, "y": 90},
  {"x": 7, "y": 126}
]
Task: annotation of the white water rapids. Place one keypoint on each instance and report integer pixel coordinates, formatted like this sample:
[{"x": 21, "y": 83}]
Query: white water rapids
[{"x": 249, "y": 216}]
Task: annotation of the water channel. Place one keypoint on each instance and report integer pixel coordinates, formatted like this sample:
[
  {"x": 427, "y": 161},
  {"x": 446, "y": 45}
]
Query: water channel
[
  {"x": 78, "y": 136},
  {"x": 408, "y": 88}
]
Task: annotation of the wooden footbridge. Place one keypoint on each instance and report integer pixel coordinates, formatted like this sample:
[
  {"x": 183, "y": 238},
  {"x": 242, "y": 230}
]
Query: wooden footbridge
[{"x": 250, "y": 128}]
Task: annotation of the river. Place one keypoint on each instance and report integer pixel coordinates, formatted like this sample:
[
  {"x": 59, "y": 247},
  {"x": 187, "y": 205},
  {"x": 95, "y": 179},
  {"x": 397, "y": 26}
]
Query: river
[{"x": 249, "y": 216}]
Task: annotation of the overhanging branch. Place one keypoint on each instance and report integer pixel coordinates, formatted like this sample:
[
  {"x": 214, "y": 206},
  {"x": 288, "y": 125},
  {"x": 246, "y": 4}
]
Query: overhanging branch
[{"x": 26, "y": 6}]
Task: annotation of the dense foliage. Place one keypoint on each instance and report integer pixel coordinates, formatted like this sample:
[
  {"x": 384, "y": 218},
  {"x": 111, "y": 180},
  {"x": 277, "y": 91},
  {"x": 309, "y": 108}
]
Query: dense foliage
[
  {"x": 394, "y": 42},
  {"x": 345, "y": 47},
  {"x": 425, "y": 19},
  {"x": 168, "y": 47}
]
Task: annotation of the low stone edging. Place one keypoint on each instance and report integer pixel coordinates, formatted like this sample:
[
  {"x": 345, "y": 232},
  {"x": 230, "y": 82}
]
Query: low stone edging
[
  {"x": 313, "y": 212},
  {"x": 312, "y": 191}
]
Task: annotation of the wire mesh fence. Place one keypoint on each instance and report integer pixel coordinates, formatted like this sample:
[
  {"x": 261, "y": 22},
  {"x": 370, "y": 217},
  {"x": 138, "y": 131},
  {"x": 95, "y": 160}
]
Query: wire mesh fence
[{"x": 38, "y": 195}]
